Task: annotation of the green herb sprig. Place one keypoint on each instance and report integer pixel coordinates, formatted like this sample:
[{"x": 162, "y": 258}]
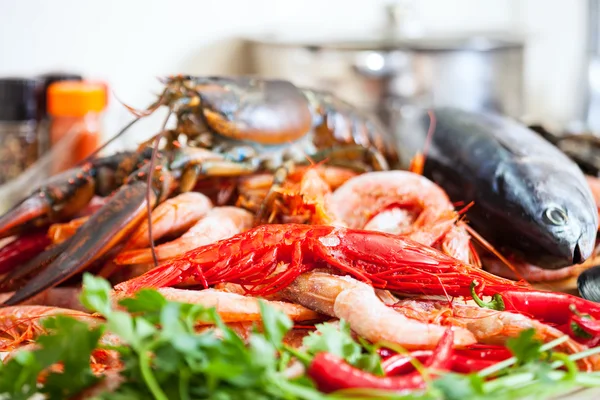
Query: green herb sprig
[{"x": 166, "y": 356}]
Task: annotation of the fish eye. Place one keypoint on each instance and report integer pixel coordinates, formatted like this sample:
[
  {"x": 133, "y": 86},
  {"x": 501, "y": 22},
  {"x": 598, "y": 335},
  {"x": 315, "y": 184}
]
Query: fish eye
[{"x": 555, "y": 216}]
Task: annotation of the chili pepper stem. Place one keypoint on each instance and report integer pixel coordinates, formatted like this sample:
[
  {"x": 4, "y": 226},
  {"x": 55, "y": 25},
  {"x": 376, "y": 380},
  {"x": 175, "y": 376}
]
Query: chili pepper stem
[{"x": 496, "y": 304}]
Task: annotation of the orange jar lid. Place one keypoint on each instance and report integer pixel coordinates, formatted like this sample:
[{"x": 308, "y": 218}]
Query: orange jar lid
[{"x": 76, "y": 98}]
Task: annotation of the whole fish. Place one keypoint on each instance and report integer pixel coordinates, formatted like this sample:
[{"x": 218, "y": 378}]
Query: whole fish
[{"x": 528, "y": 196}]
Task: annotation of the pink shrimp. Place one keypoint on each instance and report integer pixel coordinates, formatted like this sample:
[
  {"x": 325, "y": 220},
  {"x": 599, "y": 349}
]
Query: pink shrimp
[
  {"x": 174, "y": 215},
  {"x": 219, "y": 223},
  {"x": 357, "y": 303},
  {"x": 403, "y": 203}
]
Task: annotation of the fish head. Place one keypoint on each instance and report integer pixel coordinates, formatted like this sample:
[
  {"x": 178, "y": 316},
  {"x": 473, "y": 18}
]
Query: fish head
[{"x": 552, "y": 207}]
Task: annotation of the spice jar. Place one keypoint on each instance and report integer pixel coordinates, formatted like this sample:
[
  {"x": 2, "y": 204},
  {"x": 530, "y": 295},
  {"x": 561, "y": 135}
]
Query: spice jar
[
  {"x": 43, "y": 121},
  {"x": 76, "y": 108},
  {"x": 18, "y": 126}
]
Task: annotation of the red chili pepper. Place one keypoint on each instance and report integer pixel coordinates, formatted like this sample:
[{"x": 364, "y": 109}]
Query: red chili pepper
[
  {"x": 385, "y": 353},
  {"x": 589, "y": 325},
  {"x": 331, "y": 373},
  {"x": 549, "y": 307},
  {"x": 467, "y": 365},
  {"x": 485, "y": 352},
  {"x": 21, "y": 250},
  {"x": 400, "y": 364},
  {"x": 463, "y": 361}
]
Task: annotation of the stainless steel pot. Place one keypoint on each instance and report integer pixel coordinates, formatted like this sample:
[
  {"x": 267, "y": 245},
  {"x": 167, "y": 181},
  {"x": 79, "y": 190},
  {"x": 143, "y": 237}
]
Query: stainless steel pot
[{"x": 476, "y": 72}]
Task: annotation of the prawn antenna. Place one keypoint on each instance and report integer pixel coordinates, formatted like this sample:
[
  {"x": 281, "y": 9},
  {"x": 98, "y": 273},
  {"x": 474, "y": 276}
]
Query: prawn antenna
[
  {"x": 149, "y": 183},
  {"x": 417, "y": 164},
  {"x": 493, "y": 250}
]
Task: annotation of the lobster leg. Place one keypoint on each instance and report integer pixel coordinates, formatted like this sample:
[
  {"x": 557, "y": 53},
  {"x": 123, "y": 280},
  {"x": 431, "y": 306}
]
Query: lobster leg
[
  {"x": 279, "y": 178},
  {"x": 109, "y": 226},
  {"x": 354, "y": 157},
  {"x": 194, "y": 172}
]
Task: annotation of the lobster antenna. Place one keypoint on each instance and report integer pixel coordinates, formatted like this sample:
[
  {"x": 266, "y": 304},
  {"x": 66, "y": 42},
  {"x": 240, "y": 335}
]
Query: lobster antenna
[
  {"x": 138, "y": 115},
  {"x": 150, "y": 175}
]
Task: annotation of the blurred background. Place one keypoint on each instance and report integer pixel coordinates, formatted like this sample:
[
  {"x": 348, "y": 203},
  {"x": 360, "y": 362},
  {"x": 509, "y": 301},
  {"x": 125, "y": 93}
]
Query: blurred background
[{"x": 531, "y": 59}]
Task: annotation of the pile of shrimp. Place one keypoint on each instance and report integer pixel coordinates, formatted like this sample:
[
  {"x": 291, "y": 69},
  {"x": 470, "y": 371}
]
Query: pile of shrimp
[{"x": 400, "y": 203}]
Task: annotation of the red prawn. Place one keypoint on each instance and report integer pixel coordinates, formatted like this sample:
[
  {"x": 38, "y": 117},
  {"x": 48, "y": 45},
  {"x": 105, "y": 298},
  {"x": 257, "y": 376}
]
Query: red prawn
[{"x": 268, "y": 258}]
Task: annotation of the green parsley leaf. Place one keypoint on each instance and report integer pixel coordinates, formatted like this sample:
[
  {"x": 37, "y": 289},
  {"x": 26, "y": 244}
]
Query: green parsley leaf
[
  {"x": 457, "y": 387},
  {"x": 95, "y": 294},
  {"x": 18, "y": 377},
  {"x": 525, "y": 347},
  {"x": 275, "y": 323},
  {"x": 335, "y": 340}
]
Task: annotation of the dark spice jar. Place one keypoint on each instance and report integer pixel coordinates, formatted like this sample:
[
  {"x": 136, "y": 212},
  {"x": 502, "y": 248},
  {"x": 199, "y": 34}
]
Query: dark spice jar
[{"x": 18, "y": 126}]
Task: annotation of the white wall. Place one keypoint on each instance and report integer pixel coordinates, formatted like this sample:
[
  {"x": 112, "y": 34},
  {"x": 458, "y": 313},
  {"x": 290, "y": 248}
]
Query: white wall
[{"x": 130, "y": 42}]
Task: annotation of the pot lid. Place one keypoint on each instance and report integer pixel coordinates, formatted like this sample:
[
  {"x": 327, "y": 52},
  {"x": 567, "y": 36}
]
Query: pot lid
[{"x": 448, "y": 42}]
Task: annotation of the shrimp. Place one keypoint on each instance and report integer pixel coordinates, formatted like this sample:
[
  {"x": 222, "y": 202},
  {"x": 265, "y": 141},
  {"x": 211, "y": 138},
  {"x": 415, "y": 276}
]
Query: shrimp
[
  {"x": 19, "y": 324},
  {"x": 219, "y": 223},
  {"x": 176, "y": 214},
  {"x": 60, "y": 232},
  {"x": 267, "y": 258},
  {"x": 403, "y": 203},
  {"x": 302, "y": 198},
  {"x": 356, "y": 303},
  {"x": 311, "y": 198},
  {"x": 488, "y": 326},
  {"x": 232, "y": 307}
]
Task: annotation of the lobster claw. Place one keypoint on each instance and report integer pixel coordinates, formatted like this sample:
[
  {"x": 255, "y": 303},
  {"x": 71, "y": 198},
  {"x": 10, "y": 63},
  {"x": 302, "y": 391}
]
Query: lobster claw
[
  {"x": 105, "y": 229},
  {"x": 62, "y": 197}
]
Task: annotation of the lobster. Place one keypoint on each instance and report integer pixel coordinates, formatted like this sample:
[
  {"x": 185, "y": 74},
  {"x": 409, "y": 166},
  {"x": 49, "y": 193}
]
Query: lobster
[{"x": 232, "y": 126}]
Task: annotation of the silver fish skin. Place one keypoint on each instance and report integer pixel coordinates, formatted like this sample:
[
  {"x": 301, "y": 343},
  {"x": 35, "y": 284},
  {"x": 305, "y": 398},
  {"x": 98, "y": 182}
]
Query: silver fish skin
[{"x": 529, "y": 197}]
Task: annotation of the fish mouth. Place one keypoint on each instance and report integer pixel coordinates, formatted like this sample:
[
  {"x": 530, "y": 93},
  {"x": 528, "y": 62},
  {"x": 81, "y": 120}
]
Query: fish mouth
[
  {"x": 578, "y": 258},
  {"x": 582, "y": 250}
]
